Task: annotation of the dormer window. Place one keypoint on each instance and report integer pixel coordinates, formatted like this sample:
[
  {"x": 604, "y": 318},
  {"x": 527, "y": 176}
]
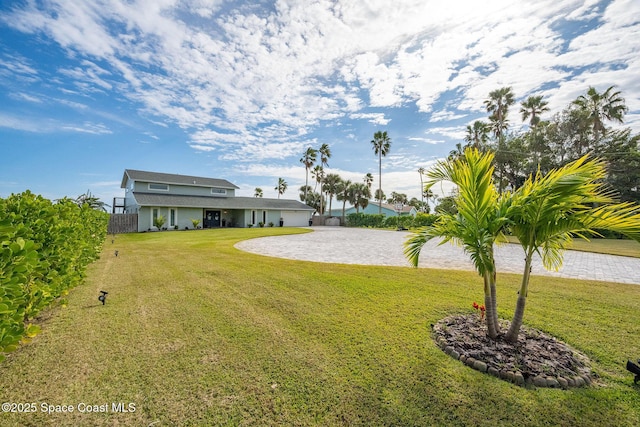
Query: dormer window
[
  {"x": 158, "y": 187},
  {"x": 219, "y": 191}
]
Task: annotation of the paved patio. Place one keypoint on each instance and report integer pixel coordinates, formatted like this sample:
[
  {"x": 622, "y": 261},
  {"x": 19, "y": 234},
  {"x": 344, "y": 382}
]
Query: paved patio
[{"x": 383, "y": 247}]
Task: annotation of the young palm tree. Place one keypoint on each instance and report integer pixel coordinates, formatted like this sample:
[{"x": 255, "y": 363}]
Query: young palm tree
[
  {"x": 381, "y": 143},
  {"x": 547, "y": 211},
  {"x": 325, "y": 154},
  {"x": 477, "y": 134},
  {"x": 533, "y": 107},
  {"x": 498, "y": 105},
  {"x": 308, "y": 160},
  {"x": 479, "y": 223},
  {"x": 281, "y": 187},
  {"x": 600, "y": 107},
  {"x": 257, "y": 192}
]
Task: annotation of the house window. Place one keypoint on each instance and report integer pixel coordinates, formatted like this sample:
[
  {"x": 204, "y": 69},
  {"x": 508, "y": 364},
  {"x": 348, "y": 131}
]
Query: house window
[
  {"x": 219, "y": 191},
  {"x": 173, "y": 217},
  {"x": 264, "y": 217},
  {"x": 154, "y": 215},
  {"x": 158, "y": 187},
  {"x": 253, "y": 217}
]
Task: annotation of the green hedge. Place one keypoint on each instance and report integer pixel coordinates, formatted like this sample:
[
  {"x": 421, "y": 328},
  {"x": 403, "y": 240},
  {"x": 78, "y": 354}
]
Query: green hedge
[
  {"x": 382, "y": 221},
  {"x": 44, "y": 250}
]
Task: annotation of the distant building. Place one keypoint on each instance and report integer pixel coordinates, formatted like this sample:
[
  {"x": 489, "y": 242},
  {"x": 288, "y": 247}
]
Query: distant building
[{"x": 181, "y": 198}]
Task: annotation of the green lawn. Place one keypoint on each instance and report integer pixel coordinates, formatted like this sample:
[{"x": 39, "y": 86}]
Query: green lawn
[
  {"x": 622, "y": 247},
  {"x": 195, "y": 332}
]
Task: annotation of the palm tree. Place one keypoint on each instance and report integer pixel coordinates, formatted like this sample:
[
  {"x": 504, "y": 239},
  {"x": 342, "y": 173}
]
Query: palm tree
[
  {"x": 600, "y": 107},
  {"x": 342, "y": 194},
  {"x": 427, "y": 193},
  {"x": 305, "y": 192},
  {"x": 331, "y": 186},
  {"x": 325, "y": 154},
  {"x": 479, "y": 223},
  {"x": 257, "y": 192},
  {"x": 421, "y": 173},
  {"x": 379, "y": 196},
  {"x": 92, "y": 201},
  {"x": 359, "y": 195},
  {"x": 547, "y": 211},
  {"x": 308, "y": 160},
  {"x": 368, "y": 179},
  {"x": 281, "y": 187},
  {"x": 533, "y": 107},
  {"x": 381, "y": 143},
  {"x": 498, "y": 105},
  {"x": 477, "y": 134}
]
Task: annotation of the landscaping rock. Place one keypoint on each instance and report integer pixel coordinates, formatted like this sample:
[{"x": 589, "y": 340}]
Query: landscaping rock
[
  {"x": 535, "y": 357},
  {"x": 552, "y": 382},
  {"x": 518, "y": 378},
  {"x": 480, "y": 366},
  {"x": 539, "y": 382},
  {"x": 563, "y": 382}
]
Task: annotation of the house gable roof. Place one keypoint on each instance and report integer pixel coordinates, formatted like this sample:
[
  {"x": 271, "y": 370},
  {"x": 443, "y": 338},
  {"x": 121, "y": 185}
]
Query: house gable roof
[
  {"x": 168, "y": 178},
  {"x": 153, "y": 199}
]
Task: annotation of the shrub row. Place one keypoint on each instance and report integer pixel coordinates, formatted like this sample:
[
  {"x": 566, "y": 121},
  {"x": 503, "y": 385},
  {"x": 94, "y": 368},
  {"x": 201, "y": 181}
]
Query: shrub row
[
  {"x": 382, "y": 221},
  {"x": 44, "y": 250}
]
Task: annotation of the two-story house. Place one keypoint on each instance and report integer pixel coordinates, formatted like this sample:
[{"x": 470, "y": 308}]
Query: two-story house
[{"x": 181, "y": 198}]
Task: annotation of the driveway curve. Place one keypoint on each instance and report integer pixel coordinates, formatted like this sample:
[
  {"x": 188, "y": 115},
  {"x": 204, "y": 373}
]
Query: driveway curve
[{"x": 383, "y": 247}]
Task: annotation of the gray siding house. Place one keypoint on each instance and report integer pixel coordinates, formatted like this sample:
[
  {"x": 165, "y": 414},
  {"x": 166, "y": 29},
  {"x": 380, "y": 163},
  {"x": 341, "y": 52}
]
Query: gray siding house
[{"x": 181, "y": 198}]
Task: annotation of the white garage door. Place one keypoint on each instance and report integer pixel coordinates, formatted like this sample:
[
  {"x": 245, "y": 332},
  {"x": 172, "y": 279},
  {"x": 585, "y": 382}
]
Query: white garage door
[{"x": 296, "y": 218}]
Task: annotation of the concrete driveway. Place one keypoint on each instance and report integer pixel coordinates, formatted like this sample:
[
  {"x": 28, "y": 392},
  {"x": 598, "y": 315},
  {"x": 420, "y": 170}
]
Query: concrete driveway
[{"x": 383, "y": 247}]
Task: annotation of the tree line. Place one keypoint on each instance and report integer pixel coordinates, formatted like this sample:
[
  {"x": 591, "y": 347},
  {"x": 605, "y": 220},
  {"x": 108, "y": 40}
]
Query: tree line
[{"x": 583, "y": 127}]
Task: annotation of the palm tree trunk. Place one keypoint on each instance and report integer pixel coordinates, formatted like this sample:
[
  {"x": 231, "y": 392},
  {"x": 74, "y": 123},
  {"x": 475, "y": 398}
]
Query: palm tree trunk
[
  {"x": 380, "y": 179},
  {"x": 494, "y": 302},
  {"x": 489, "y": 308},
  {"x": 518, "y": 316}
]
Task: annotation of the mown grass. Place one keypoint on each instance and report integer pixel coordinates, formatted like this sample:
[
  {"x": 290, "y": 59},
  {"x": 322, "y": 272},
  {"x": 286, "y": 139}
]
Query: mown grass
[
  {"x": 195, "y": 332},
  {"x": 621, "y": 247}
]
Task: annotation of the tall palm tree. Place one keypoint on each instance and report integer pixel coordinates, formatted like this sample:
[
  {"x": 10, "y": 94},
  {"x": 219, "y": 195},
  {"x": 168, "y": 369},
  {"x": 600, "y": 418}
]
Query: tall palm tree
[
  {"x": 317, "y": 173},
  {"x": 421, "y": 173},
  {"x": 257, "y": 192},
  {"x": 498, "y": 105},
  {"x": 308, "y": 160},
  {"x": 381, "y": 143},
  {"x": 281, "y": 187},
  {"x": 609, "y": 105},
  {"x": 325, "y": 154},
  {"x": 477, "y": 226},
  {"x": 428, "y": 194},
  {"x": 477, "y": 134},
  {"x": 342, "y": 194},
  {"x": 331, "y": 186},
  {"x": 532, "y": 108},
  {"x": 547, "y": 211},
  {"x": 368, "y": 179}
]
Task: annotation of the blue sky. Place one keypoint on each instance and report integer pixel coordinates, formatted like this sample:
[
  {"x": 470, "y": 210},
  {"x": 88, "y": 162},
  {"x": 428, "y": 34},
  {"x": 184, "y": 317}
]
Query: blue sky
[{"x": 228, "y": 90}]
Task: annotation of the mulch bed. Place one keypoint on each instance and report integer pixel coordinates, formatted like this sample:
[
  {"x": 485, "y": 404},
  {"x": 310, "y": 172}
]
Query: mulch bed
[{"x": 536, "y": 360}]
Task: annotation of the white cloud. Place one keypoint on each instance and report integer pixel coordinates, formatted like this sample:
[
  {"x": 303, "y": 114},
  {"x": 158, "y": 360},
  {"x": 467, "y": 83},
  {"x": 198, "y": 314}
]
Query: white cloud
[{"x": 375, "y": 118}]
